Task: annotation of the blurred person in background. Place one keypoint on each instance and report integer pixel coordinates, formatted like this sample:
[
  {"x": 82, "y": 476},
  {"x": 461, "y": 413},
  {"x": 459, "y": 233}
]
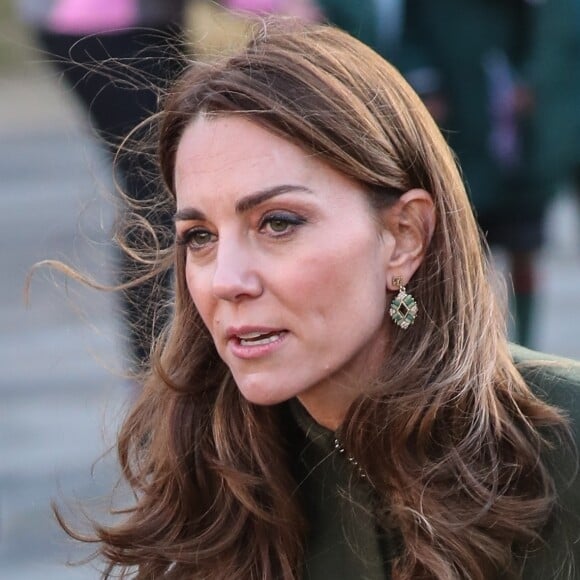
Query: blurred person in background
[
  {"x": 555, "y": 80},
  {"x": 307, "y": 10},
  {"x": 118, "y": 56},
  {"x": 467, "y": 59},
  {"x": 377, "y": 23}
]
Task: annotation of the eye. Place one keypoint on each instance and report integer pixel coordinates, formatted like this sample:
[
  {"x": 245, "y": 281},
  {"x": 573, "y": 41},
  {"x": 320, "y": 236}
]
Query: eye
[
  {"x": 196, "y": 238},
  {"x": 278, "y": 224}
]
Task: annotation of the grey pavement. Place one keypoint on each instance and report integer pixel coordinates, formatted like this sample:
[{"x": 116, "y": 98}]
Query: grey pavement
[{"x": 61, "y": 389}]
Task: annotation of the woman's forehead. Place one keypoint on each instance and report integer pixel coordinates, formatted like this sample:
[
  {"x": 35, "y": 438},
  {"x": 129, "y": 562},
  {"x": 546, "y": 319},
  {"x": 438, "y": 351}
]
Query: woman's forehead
[
  {"x": 225, "y": 159},
  {"x": 216, "y": 150}
]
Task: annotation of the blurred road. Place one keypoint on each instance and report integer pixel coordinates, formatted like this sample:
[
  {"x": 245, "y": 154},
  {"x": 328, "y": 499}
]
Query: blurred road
[{"x": 61, "y": 388}]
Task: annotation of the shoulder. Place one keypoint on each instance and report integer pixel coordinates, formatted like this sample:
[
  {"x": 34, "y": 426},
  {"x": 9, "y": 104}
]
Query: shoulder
[
  {"x": 553, "y": 379},
  {"x": 556, "y": 381}
]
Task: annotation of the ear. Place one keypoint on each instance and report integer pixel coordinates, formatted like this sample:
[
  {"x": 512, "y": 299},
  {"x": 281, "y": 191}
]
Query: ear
[{"x": 411, "y": 222}]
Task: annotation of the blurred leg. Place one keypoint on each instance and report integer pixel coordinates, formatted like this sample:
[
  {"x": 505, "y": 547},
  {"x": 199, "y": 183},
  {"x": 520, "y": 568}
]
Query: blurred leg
[
  {"x": 119, "y": 77},
  {"x": 524, "y": 282}
]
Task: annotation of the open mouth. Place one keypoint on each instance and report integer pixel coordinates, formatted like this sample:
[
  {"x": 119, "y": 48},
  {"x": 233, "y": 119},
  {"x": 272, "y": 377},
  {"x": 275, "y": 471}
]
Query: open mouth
[{"x": 259, "y": 338}]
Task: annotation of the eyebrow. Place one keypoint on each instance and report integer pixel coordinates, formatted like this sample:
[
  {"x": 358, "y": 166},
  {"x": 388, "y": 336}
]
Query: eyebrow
[{"x": 245, "y": 204}]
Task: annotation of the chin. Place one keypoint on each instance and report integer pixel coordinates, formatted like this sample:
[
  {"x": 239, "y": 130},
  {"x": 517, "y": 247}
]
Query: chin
[
  {"x": 263, "y": 399},
  {"x": 261, "y": 392}
]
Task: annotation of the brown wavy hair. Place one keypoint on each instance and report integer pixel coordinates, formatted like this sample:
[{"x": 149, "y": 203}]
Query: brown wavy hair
[{"x": 464, "y": 486}]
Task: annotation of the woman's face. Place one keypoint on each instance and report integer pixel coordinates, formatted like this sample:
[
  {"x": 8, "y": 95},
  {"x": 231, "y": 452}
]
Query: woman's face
[{"x": 286, "y": 263}]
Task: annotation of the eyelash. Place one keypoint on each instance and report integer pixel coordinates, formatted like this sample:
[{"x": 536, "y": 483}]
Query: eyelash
[
  {"x": 186, "y": 239},
  {"x": 291, "y": 220}
]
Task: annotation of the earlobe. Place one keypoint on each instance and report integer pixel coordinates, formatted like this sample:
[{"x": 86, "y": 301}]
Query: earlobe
[{"x": 411, "y": 221}]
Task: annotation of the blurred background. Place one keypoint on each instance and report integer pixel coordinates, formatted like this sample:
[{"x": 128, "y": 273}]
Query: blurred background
[{"x": 63, "y": 355}]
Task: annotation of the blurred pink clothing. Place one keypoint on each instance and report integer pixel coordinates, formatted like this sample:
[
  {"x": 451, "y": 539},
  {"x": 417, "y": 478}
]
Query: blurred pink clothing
[
  {"x": 304, "y": 9},
  {"x": 89, "y": 16},
  {"x": 252, "y": 5}
]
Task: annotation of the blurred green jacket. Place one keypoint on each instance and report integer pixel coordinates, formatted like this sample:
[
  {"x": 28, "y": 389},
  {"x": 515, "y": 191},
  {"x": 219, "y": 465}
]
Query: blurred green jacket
[
  {"x": 554, "y": 75},
  {"x": 470, "y": 55},
  {"x": 473, "y": 54}
]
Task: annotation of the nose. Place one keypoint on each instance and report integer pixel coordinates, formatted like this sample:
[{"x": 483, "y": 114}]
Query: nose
[{"x": 235, "y": 276}]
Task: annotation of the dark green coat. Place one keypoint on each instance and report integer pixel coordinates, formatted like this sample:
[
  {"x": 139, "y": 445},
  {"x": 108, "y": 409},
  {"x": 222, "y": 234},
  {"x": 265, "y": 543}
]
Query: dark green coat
[
  {"x": 344, "y": 543},
  {"x": 477, "y": 48},
  {"x": 554, "y": 75},
  {"x": 356, "y": 18},
  {"x": 448, "y": 48}
]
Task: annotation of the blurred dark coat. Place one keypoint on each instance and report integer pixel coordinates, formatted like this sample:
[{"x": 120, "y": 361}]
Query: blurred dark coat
[
  {"x": 472, "y": 55},
  {"x": 356, "y": 18},
  {"x": 554, "y": 75}
]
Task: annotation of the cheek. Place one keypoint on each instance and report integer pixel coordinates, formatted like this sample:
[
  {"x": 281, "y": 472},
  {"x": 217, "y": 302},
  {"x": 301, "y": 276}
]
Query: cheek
[
  {"x": 190, "y": 282},
  {"x": 340, "y": 307},
  {"x": 345, "y": 271},
  {"x": 198, "y": 293}
]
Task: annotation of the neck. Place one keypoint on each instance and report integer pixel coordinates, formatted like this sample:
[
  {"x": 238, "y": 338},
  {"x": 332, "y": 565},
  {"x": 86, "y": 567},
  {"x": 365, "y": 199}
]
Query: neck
[
  {"x": 329, "y": 412},
  {"x": 329, "y": 401}
]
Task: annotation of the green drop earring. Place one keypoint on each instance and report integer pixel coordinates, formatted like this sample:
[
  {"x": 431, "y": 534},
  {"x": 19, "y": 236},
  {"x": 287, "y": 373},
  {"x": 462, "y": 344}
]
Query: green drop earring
[{"x": 403, "y": 309}]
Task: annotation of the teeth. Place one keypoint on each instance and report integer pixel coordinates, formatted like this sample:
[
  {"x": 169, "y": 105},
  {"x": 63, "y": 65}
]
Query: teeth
[
  {"x": 266, "y": 340},
  {"x": 250, "y": 335}
]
